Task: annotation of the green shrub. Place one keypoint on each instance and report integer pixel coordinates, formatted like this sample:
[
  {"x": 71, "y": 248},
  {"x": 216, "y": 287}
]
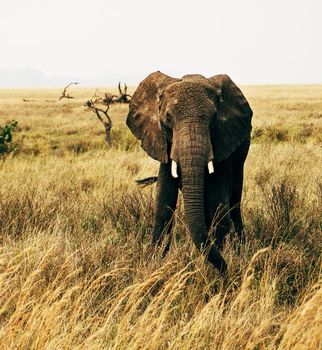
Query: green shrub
[{"x": 6, "y": 137}]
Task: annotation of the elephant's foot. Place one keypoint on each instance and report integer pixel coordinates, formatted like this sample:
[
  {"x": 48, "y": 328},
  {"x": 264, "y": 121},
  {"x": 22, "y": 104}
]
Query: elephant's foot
[{"x": 216, "y": 259}]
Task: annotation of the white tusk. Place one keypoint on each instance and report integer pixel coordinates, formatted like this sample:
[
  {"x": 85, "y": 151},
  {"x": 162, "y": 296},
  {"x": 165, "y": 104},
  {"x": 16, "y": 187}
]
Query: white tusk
[
  {"x": 174, "y": 167},
  {"x": 211, "y": 167}
]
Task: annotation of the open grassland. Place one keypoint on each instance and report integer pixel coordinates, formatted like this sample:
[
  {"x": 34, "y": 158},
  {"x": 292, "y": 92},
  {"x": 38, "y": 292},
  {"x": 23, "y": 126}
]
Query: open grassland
[{"x": 77, "y": 270}]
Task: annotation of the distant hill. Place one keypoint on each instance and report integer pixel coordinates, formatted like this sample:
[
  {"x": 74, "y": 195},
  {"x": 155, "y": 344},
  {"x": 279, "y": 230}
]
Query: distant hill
[
  {"x": 22, "y": 77},
  {"x": 26, "y": 77}
]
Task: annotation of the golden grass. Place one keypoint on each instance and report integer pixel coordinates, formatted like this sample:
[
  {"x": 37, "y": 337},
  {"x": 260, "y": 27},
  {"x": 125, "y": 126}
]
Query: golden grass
[{"x": 77, "y": 270}]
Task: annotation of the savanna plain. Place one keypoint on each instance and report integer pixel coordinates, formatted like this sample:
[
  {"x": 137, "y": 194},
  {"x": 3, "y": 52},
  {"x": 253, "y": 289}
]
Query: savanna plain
[{"x": 77, "y": 269}]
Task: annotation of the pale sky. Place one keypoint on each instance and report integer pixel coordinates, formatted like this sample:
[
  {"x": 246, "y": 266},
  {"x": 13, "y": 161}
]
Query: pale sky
[{"x": 254, "y": 41}]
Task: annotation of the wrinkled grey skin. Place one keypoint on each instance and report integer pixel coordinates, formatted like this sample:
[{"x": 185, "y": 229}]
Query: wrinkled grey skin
[{"x": 194, "y": 120}]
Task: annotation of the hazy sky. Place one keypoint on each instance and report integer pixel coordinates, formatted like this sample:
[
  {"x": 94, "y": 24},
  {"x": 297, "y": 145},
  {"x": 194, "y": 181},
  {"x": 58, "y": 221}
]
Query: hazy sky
[{"x": 254, "y": 41}]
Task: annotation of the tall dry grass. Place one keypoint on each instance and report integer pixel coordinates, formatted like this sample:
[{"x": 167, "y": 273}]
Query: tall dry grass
[{"x": 76, "y": 266}]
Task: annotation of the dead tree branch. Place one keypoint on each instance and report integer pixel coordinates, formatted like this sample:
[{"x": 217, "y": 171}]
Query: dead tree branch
[
  {"x": 28, "y": 100},
  {"x": 108, "y": 98},
  {"x": 123, "y": 97},
  {"x": 64, "y": 93},
  {"x": 107, "y": 121},
  {"x": 40, "y": 101}
]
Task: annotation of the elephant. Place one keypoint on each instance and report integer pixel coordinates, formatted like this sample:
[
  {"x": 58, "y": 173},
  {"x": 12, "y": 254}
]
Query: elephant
[{"x": 199, "y": 130}]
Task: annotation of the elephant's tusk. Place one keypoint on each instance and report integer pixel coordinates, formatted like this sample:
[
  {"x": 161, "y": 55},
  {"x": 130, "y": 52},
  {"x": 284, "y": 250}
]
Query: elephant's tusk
[
  {"x": 174, "y": 168},
  {"x": 211, "y": 167}
]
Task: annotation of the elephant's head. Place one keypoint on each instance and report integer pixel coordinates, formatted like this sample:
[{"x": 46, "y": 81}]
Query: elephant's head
[{"x": 192, "y": 122}]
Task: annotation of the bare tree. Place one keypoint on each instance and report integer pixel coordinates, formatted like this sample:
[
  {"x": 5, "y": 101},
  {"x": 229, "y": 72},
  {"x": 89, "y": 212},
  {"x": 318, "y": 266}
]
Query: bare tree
[
  {"x": 108, "y": 98},
  {"x": 96, "y": 98},
  {"x": 100, "y": 113},
  {"x": 123, "y": 97},
  {"x": 64, "y": 93}
]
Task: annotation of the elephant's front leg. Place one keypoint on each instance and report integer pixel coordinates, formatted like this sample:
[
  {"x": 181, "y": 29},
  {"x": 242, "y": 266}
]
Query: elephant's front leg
[
  {"x": 217, "y": 193},
  {"x": 166, "y": 200},
  {"x": 238, "y": 172}
]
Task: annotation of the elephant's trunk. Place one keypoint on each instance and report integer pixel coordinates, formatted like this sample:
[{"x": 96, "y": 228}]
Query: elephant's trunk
[{"x": 193, "y": 159}]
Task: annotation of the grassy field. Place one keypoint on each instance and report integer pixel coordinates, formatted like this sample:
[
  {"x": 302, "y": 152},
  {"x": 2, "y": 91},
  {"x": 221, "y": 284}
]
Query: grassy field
[{"x": 77, "y": 270}]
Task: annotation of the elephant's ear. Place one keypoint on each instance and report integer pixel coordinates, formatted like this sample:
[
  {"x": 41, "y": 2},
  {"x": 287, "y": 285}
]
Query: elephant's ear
[
  {"x": 232, "y": 124},
  {"x": 143, "y": 118}
]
